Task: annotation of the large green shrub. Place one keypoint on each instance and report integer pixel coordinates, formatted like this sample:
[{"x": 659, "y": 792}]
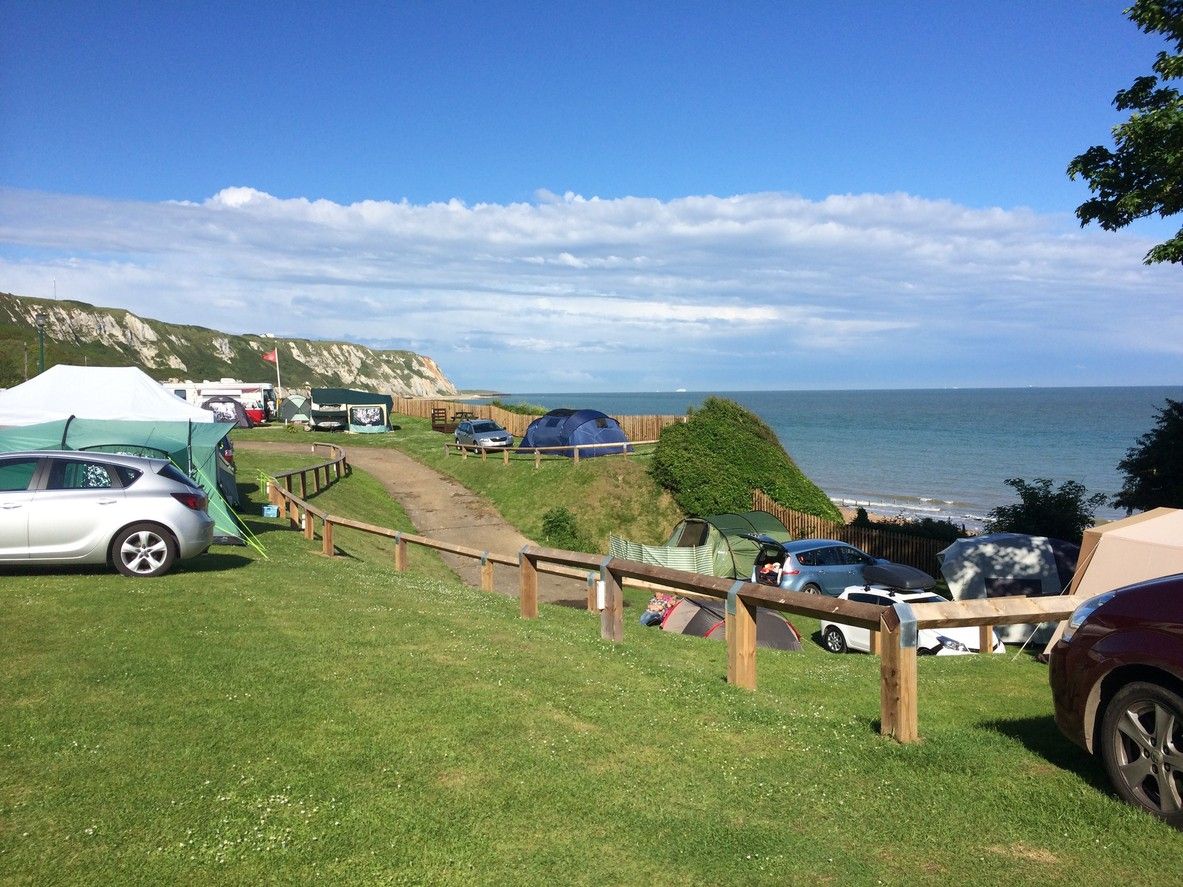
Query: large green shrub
[{"x": 712, "y": 462}]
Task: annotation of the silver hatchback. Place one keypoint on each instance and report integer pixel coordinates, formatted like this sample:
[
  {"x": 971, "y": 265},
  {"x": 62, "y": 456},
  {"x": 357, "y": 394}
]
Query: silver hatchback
[{"x": 73, "y": 507}]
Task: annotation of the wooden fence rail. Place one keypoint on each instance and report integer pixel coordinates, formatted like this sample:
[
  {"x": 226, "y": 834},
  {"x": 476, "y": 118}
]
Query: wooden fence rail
[
  {"x": 536, "y": 453},
  {"x": 634, "y": 427},
  {"x": 893, "y": 629},
  {"x": 899, "y": 547}
]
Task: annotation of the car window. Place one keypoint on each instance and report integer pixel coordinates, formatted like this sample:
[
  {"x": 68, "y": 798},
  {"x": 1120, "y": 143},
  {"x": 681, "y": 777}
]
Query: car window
[
  {"x": 853, "y": 556},
  {"x": 127, "y": 475},
  {"x": 807, "y": 558},
  {"x": 15, "y": 474},
  {"x": 485, "y": 426},
  {"x": 864, "y": 598},
  {"x": 828, "y": 557},
  {"x": 71, "y": 474}
]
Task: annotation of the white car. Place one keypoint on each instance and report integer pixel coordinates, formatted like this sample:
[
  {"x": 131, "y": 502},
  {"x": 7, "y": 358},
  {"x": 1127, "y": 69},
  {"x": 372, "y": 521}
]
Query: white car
[{"x": 838, "y": 638}]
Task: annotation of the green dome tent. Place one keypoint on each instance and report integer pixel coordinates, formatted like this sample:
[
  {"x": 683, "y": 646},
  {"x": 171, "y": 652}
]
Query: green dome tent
[
  {"x": 712, "y": 545},
  {"x": 192, "y": 446}
]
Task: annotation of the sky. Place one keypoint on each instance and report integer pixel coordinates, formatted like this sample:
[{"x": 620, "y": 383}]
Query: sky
[{"x": 595, "y": 197}]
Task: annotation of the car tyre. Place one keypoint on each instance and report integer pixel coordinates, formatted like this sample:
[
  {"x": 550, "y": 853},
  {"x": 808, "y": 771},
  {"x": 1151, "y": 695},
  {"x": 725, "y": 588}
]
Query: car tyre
[
  {"x": 811, "y": 589},
  {"x": 143, "y": 550},
  {"x": 1142, "y": 749},
  {"x": 833, "y": 639}
]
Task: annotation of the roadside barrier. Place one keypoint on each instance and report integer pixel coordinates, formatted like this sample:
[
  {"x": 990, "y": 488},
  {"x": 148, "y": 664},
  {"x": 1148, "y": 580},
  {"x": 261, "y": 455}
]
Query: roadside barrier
[{"x": 893, "y": 629}]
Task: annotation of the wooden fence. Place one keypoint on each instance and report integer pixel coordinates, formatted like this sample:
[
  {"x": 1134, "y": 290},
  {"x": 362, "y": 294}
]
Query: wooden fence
[
  {"x": 900, "y": 548},
  {"x": 642, "y": 428},
  {"x": 894, "y": 629},
  {"x": 504, "y": 454}
]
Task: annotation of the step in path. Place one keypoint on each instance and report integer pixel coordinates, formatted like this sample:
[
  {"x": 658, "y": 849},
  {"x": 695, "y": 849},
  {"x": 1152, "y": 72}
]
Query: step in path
[{"x": 442, "y": 509}]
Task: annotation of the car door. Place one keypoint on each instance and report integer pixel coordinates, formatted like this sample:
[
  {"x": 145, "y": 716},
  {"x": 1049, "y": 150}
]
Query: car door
[
  {"x": 854, "y": 561},
  {"x": 16, "y": 495},
  {"x": 831, "y": 571},
  {"x": 76, "y": 512}
]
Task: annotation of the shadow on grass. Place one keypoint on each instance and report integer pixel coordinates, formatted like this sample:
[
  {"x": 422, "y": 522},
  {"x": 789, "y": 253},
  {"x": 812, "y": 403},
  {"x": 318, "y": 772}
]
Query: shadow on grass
[
  {"x": 1042, "y": 737},
  {"x": 213, "y": 561}
]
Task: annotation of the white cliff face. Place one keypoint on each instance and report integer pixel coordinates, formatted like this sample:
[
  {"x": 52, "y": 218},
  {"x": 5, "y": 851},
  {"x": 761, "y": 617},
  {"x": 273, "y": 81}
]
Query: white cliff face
[{"x": 155, "y": 345}]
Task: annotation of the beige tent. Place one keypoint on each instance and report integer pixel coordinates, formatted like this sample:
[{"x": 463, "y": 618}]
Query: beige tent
[{"x": 1145, "y": 546}]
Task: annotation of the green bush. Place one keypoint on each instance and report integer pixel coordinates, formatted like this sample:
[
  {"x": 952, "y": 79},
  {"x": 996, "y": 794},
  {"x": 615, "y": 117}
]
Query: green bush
[
  {"x": 712, "y": 462},
  {"x": 560, "y": 530}
]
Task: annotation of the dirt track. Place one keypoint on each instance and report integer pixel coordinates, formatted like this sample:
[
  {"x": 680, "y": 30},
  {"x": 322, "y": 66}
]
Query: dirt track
[{"x": 442, "y": 509}]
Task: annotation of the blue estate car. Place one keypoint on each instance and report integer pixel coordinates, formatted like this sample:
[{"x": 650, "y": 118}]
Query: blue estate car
[{"x": 814, "y": 566}]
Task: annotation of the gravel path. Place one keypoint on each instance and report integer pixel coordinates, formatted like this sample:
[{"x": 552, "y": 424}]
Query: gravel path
[{"x": 442, "y": 509}]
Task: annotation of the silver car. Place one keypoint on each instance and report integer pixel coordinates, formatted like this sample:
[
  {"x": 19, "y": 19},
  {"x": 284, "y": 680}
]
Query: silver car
[
  {"x": 72, "y": 507},
  {"x": 482, "y": 433}
]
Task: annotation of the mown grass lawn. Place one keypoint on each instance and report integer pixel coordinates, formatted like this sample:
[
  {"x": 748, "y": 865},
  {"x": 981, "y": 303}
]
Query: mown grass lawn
[{"x": 312, "y": 720}]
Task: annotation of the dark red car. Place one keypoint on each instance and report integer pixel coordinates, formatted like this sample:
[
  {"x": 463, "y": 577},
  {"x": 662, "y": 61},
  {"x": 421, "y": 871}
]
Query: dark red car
[{"x": 1117, "y": 682}]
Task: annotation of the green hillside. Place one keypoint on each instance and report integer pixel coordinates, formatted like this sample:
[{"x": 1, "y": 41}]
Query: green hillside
[{"x": 712, "y": 463}]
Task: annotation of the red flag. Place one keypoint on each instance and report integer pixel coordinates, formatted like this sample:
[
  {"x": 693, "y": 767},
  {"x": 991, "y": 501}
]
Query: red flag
[{"x": 271, "y": 356}]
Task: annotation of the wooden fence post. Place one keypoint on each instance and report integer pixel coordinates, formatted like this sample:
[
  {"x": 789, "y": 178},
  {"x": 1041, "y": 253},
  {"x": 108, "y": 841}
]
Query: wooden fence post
[
  {"x": 591, "y": 592},
  {"x": 328, "y": 537},
  {"x": 537, "y": 460},
  {"x": 316, "y": 479},
  {"x": 400, "y": 552},
  {"x": 486, "y": 572},
  {"x": 309, "y": 525},
  {"x": 304, "y": 484},
  {"x": 986, "y": 639},
  {"x": 575, "y": 450},
  {"x": 273, "y": 492},
  {"x": 741, "y": 640},
  {"x": 897, "y": 675},
  {"x": 505, "y": 456},
  {"x": 612, "y": 616},
  {"x": 528, "y": 584}
]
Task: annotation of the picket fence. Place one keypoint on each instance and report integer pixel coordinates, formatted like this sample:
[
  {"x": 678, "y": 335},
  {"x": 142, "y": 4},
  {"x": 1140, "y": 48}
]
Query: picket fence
[{"x": 901, "y": 548}]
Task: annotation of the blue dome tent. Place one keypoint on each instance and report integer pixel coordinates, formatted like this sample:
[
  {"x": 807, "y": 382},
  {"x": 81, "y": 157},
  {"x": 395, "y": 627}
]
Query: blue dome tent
[{"x": 567, "y": 428}]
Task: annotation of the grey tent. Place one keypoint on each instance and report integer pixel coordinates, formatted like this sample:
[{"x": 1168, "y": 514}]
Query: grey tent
[
  {"x": 295, "y": 408},
  {"x": 705, "y": 619},
  {"x": 1008, "y": 564}
]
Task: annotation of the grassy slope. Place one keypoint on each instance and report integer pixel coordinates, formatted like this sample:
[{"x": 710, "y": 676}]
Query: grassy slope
[
  {"x": 306, "y": 719},
  {"x": 715, "y": 460},
  {"x": 607, "y": 495}
]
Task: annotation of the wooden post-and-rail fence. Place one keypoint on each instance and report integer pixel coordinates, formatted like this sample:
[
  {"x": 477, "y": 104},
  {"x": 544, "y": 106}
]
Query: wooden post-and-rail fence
[{"x": 894, "y": 628}]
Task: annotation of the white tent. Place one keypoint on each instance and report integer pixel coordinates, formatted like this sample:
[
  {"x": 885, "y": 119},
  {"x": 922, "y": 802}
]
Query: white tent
[
  {"x": 1005, "y": 564},
  {"x": 94, "y": 393}
]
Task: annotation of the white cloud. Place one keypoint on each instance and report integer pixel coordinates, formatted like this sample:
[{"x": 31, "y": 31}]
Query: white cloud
[{"x": 752, "y": 290}]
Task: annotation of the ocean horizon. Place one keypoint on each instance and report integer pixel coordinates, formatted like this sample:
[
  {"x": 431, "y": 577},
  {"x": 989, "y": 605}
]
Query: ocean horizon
[{"x": 943, "y": 453}]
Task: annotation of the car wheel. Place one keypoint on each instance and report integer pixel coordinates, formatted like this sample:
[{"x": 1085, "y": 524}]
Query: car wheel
[
  {"x": 811, "y": 589},
  {"x": 833, "y": 640},
  {"x": 1142, "y": 748},
  {"x": 143, "y": 550}
]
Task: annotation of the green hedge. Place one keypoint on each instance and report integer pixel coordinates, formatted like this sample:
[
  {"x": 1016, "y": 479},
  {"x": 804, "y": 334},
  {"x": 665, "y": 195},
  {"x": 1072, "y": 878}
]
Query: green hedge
[{"x": 711, "y": 464}]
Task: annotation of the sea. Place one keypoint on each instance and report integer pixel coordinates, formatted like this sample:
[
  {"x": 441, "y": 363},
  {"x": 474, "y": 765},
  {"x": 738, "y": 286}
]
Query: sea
[{"x": 939, "y": 453}]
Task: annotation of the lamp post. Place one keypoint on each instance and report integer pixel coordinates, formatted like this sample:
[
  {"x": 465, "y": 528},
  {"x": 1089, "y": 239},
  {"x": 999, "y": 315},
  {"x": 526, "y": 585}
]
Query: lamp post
[{"x": 40, "y": 319}]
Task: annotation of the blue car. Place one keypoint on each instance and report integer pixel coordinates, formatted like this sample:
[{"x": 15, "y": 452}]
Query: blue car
[{"x": 814, "y": 566}]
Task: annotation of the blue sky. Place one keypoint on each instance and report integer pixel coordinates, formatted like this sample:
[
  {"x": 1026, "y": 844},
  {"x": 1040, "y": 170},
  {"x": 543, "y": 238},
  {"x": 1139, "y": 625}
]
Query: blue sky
[{"x": 610, "y": 196}]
